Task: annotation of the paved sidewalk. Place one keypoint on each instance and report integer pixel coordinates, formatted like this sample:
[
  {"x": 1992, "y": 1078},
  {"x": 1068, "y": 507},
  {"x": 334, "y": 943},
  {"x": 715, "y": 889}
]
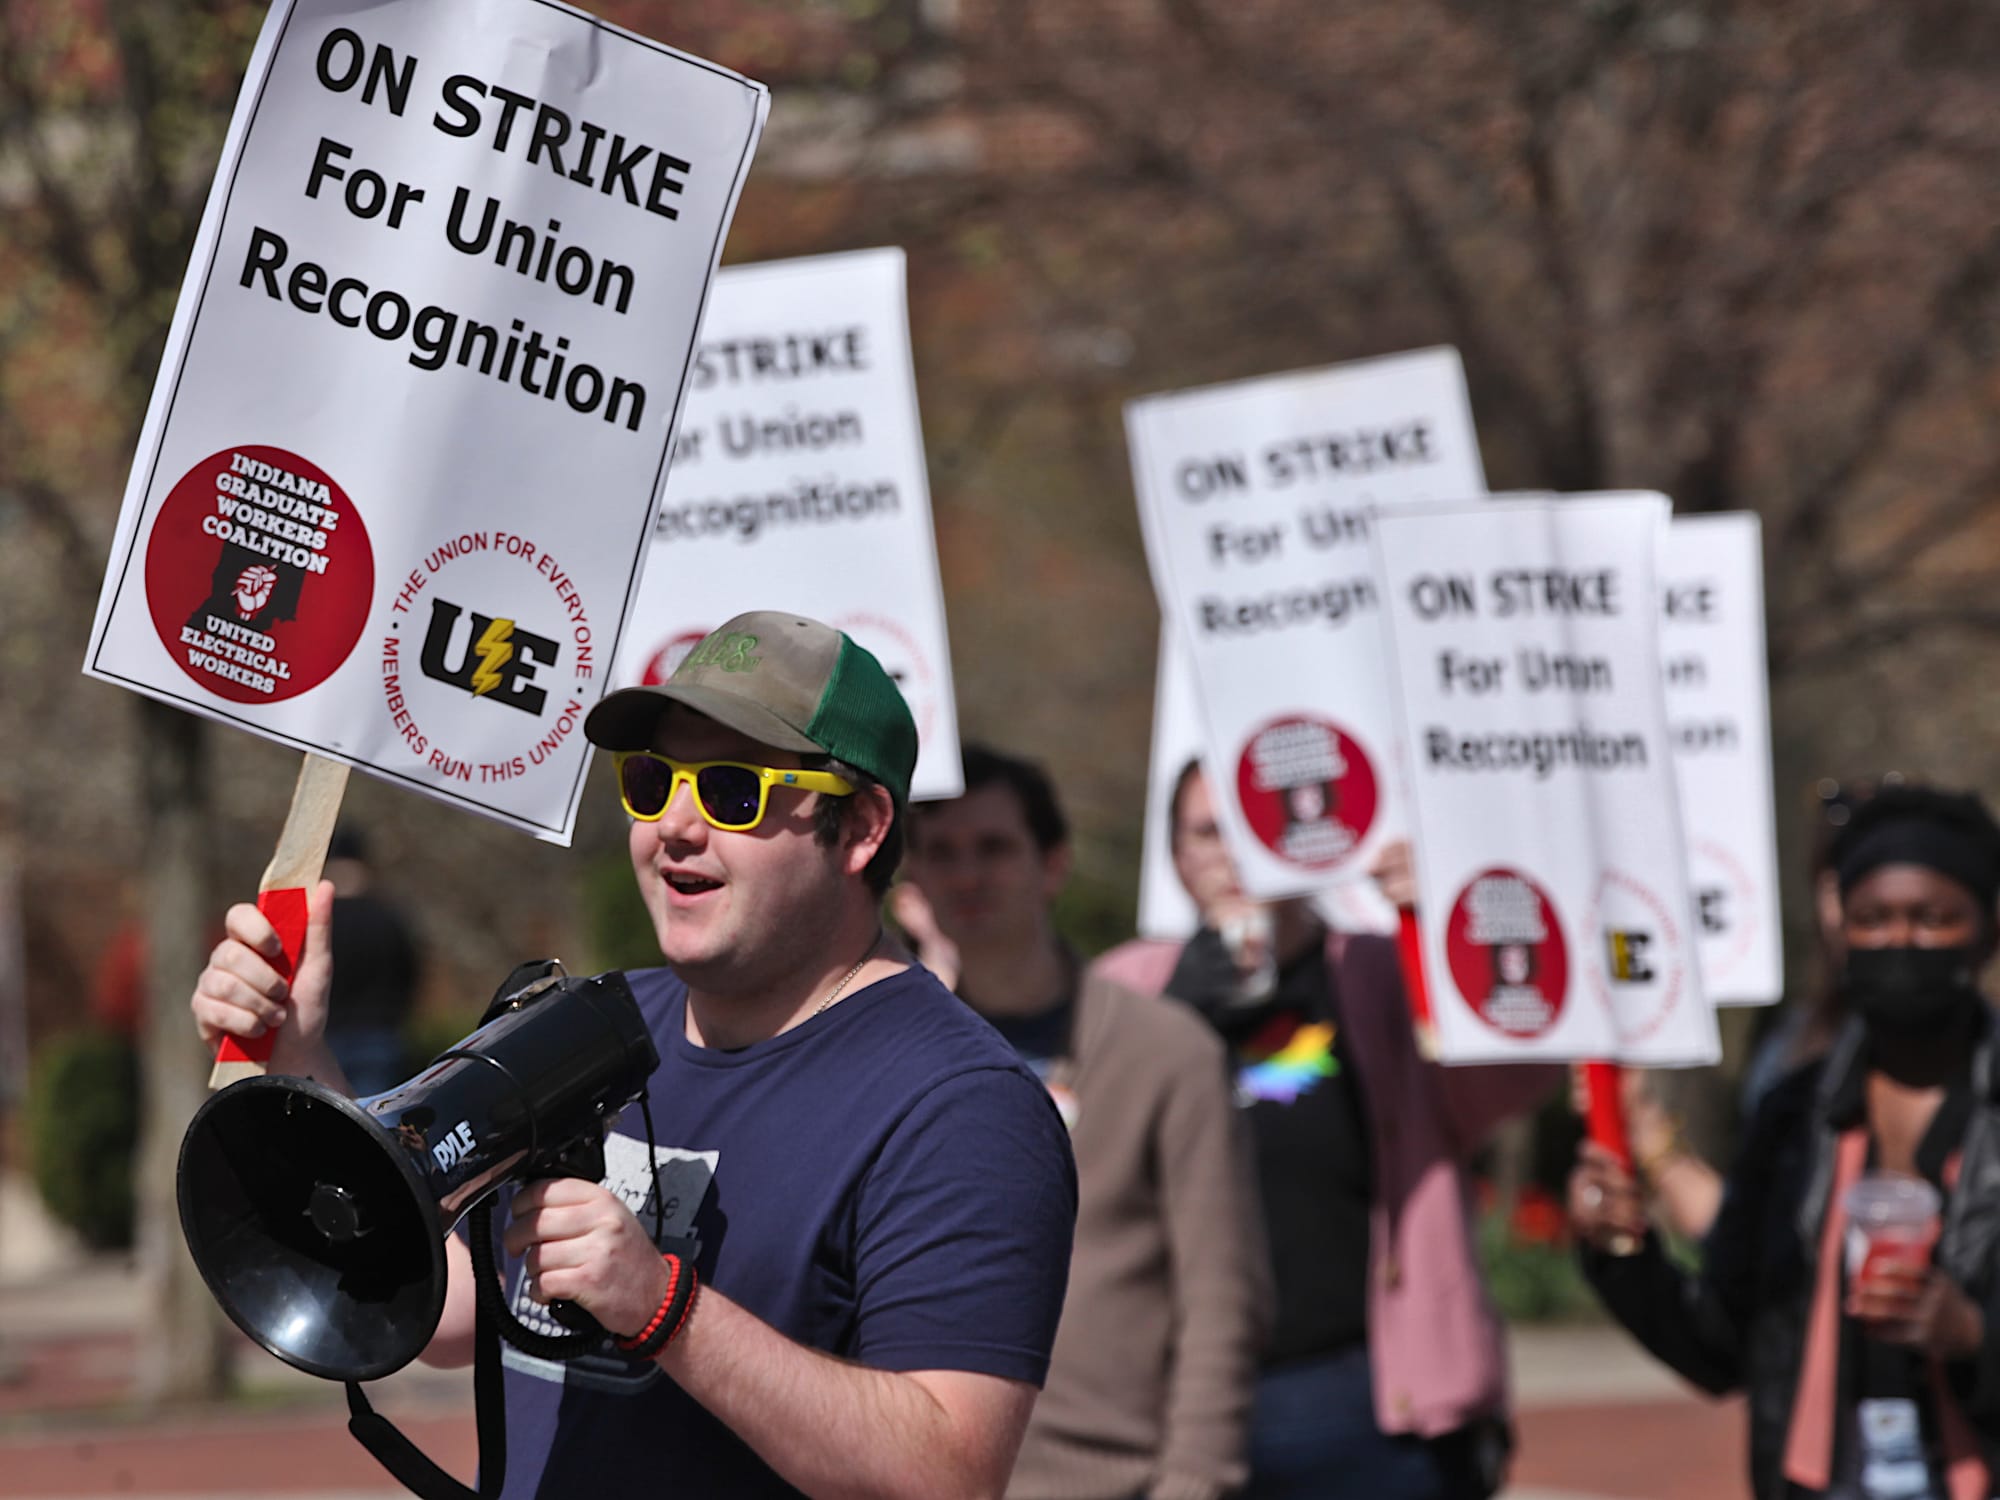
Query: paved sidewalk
[
  {"x": 1600, "y": 1420},
  {"x": 1595, "y": 1424}
]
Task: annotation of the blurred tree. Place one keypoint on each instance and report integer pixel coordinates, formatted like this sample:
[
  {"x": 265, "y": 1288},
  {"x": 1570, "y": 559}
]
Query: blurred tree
[
  {"x": 1737, "y": 250},
  {"x": 1730, "y": 249},
  {"x": 111, "y": 115}
]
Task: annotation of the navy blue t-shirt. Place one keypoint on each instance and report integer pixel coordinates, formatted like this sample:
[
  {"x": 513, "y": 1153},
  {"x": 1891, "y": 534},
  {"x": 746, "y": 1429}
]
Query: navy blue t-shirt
[{"x": 884, "y": 1182}]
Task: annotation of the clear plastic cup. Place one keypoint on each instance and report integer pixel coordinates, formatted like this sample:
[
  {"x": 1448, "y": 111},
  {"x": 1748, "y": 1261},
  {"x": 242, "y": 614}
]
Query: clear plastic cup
[{"x": 1891, "y": 1220}]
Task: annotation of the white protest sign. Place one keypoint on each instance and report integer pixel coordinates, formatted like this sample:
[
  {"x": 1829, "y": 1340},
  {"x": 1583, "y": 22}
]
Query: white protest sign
[
  {"x": 1165, "y": 910},
  {"x": 1552, "y": 883},
  {"x": 1254, "y": 500},
  {"x": 1719, "y": 707},
  {"x": 799, "y": 484},
  {"x": 399, "y": 471}
]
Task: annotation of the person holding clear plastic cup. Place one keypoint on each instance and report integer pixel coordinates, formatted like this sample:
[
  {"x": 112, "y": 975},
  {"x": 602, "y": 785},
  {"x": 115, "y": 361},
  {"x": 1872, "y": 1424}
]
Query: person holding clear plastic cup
[{"x": 1853, "y": 1269}]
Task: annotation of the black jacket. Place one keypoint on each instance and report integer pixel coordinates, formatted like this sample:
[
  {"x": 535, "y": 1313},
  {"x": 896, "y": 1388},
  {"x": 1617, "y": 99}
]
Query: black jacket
[{"x": 1741, "y": 1323}]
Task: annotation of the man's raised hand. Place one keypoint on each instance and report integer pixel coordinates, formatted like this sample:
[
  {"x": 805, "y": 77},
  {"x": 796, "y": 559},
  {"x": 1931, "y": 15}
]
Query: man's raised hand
[{"x": 242, "y": 993}]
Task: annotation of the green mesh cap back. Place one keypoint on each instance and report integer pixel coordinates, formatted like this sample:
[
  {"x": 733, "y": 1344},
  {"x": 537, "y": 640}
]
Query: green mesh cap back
[{"x": 864, "y": 719}]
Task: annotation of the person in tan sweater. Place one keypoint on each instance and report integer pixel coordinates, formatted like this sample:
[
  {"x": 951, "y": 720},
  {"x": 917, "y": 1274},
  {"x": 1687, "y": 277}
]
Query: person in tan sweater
[{"x": 1148, "y": 1391}]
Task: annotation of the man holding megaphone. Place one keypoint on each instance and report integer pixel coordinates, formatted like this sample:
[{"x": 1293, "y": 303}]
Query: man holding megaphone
[{"x": 853, "y": 1237}]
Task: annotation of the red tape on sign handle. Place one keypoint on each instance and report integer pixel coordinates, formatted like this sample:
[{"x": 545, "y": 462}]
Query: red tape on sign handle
[
  {"x": 285, "y": 910},
  {"x": 1604, "y": 1118},
  {"x": 1410, "y": 948}
]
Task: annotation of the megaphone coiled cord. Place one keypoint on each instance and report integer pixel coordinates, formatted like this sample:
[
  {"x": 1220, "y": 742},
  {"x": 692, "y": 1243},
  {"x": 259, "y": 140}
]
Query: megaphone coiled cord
[
  {"x": 486, "y": 1273},
  {"x": 486, "y": 1281}
]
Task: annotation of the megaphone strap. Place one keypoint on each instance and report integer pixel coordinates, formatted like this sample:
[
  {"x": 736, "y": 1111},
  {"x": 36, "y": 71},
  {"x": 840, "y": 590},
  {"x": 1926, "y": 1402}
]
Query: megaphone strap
[{"x": 408, "y": 1464}]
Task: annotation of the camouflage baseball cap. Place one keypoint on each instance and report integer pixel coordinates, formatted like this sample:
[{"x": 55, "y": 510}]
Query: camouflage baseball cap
[{"x": 785, "y": 681}]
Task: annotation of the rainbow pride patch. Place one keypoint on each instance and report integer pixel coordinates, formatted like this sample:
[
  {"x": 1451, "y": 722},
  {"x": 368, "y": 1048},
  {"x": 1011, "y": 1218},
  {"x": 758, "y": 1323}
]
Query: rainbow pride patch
[{"x": 1294, "y": 1069}]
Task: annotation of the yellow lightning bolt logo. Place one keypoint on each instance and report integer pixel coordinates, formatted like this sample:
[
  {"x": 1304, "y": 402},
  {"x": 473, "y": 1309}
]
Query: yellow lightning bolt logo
[{"x": 495, "y": 648}]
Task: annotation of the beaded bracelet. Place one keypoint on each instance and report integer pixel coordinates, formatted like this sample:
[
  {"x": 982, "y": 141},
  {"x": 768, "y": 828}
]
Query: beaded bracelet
[{"x": 672, "y": 1315}]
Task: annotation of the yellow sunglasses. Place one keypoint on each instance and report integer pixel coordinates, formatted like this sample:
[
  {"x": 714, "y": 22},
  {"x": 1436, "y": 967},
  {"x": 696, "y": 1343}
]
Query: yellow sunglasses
[{"x": 729, "y": 794}]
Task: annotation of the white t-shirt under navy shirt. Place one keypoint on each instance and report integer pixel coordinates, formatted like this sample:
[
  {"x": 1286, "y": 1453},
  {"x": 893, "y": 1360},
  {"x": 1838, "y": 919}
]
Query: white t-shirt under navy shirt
[{"x": 884, "y": 1182}]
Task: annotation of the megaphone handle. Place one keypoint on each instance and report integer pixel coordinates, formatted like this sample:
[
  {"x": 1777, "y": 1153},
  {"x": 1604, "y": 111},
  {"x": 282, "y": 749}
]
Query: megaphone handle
[
  {"x": 486, "y": 1283},
  {"x": 582, "y": 1158}
]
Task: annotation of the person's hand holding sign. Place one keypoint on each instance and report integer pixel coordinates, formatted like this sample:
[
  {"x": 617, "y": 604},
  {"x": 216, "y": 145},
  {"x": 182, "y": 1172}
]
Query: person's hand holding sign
[
  {"x": 1395, "y": 874},
  {"x": 1605, "y": 1210},
  {"x": 243, "y": 992}
]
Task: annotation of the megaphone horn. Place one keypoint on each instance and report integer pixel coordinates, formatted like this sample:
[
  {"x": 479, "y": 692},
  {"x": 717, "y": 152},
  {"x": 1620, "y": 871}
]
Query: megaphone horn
[{"x": 318, "y": 1221}]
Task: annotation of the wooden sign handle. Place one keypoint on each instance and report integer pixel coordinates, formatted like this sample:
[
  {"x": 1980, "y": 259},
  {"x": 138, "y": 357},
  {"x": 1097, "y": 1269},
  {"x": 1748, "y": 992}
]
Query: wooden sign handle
[{"x": 281, "y": 896}]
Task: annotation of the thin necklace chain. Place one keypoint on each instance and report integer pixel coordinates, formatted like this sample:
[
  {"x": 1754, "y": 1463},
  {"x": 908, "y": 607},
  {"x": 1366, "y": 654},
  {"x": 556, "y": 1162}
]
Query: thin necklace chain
[{"x": 848, "y": 978}]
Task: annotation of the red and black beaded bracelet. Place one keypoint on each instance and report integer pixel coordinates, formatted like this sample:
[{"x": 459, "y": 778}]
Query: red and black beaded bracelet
[{"x": 673, "y": 1312}]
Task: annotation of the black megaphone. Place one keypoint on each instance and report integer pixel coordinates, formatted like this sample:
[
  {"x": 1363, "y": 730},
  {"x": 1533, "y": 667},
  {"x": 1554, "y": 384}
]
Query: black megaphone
[{"x": 318, "y": 1221}]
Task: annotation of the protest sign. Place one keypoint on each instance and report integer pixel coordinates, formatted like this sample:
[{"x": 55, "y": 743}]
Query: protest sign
[
  {"x": 1552, "y": 882},
  {"x": 1165, "y": 910},
  {"x": 1255, "y": 499},
  {"x": 400, "y": 466},
  {"x": 1719, "y": 713},
  {"x": 799, "y": 483}
]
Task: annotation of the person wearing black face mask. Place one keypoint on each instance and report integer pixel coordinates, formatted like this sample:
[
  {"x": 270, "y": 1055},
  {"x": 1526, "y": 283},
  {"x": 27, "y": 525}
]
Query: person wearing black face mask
[{"x": 1866, "y": 1381}]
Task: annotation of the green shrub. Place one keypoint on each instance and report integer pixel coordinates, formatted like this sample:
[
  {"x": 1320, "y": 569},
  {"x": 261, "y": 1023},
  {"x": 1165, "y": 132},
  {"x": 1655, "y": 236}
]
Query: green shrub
[
  {"x": 617, "y": 925},
  {"x": 82, "y": 1126},
  {"x": 1533, "y": 1280},
  {"x": 1096, "y": 914}
]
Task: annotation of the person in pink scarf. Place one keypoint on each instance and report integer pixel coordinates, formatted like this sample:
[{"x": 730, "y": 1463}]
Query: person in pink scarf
[
  {"x": 1867, "y": 1361},
  {"x": 1385, "y": 1374}
]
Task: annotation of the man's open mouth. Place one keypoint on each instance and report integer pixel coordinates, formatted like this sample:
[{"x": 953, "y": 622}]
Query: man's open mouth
[{"x": 693, "y": 885}]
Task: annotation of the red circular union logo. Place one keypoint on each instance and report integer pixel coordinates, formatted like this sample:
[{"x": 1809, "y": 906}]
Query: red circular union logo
[
  {"x": 259, "y": 574},
  {"x": 1307, "y": 791},
  {"x": 1505, "y": 949}
]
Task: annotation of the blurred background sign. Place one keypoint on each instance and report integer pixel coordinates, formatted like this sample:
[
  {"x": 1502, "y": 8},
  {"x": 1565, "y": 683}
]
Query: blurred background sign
[
  {"x": 1554, "y": 902},
  {"x": 799, "y": 482},
  {"x": 1719, "y": 711},
  {"x": 1255, "y": 499}
]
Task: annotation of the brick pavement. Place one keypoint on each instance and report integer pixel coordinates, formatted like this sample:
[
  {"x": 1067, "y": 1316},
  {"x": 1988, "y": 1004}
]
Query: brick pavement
[
  {"x": 296, "y": 1454},
  {"x": 1598, "y": 1420},
  {"x": 1681, "y": 1448},
  {"x": 62, "y": 1435},
  {"x": 1684, "y": 1450}
]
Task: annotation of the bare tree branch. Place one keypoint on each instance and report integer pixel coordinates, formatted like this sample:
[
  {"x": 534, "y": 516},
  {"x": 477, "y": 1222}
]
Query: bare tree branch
[
  {"x": 1905, "y": 381},
  {"x": 66, "y": 242},
  {"x": 55, "y": 513},
  {"x": 1940, "y": 524},
  {"x": 1879, "y": 634}
]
